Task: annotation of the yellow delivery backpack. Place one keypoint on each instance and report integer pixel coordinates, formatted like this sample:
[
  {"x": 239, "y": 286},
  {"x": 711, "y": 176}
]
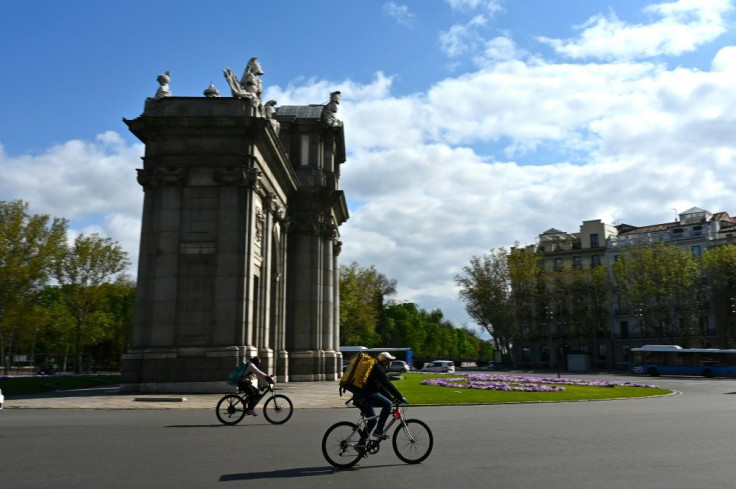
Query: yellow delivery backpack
[{"x": 357, "y": 372}]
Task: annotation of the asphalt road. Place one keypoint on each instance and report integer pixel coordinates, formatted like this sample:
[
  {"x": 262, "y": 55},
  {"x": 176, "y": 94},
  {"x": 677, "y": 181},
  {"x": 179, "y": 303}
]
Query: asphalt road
[{"x": 680, "y": 441}]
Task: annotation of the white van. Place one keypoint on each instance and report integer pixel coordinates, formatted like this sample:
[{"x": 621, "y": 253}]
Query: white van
[{"x": 439, "y": 366}]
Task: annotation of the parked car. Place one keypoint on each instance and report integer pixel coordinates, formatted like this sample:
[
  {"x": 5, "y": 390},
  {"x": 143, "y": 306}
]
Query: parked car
[
  {"x": 399, "y": 366},
  {"x": 439, "y": 366}
]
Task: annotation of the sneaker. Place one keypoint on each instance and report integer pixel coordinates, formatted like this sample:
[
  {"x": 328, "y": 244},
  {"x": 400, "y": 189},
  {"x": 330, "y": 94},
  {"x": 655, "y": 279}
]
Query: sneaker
[
  {"x": 380, "y": 435},
  {"x": 251, "y": 412}
]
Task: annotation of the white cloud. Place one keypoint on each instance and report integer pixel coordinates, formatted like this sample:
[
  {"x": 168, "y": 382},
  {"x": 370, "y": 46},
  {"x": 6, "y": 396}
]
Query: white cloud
[
  {"x": 725, "y": 60},
  {"x": 500, "y": 49},
  {"x": 682, "y": 27},
  {"x": 400, "y": 13},
  {"x": 490, "y": 6},
  {"x": 89, "y": 183},
  {"x": 463, "y": 38}
]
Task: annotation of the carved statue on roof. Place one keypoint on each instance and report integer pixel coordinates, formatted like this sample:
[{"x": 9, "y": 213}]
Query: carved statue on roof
[
  {"x": 330, "y": 110},
  {"x": 211, "y": 91},
  {"x": 250, "y": 85},
  {"x": 163, "y": 91},
  {"x": 269, "y": 112}
]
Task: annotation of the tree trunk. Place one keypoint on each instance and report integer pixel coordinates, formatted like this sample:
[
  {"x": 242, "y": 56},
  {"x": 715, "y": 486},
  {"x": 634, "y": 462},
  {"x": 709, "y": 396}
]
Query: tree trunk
[{"x": 78, "y": 366}]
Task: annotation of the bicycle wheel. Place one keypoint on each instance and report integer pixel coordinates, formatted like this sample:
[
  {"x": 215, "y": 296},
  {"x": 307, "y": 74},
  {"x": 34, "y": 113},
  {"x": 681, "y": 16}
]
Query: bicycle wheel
[
  {"x": 277, "y": 409},
  {"x": 413, "y": 442},
  {"x": 338, "y": 444},
  {"x": 231, "y": 409}
]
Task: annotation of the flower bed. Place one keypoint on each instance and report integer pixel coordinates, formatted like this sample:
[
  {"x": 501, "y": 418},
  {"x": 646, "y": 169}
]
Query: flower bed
[{"x": 520, "y": 383}]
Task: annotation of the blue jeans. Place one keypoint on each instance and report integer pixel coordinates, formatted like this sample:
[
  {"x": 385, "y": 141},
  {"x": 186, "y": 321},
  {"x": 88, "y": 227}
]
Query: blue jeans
[{"x": 376, "y": 400}]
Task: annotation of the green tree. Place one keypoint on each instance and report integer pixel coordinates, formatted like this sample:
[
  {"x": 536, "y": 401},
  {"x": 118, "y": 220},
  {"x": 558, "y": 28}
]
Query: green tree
[
  {"x": 120, "y": 310},
  {"x": 581, "y": 300},
  {"x": 664, "y": 284},
  {"x": 29, "y": 246},
  {"x": 719, "y": 266},
  {"x": 406, "y": 326},
  {"x": 82, "y": 270},
  {"x": 485, "y": 287},
  {"x": 362, "y": 295}
]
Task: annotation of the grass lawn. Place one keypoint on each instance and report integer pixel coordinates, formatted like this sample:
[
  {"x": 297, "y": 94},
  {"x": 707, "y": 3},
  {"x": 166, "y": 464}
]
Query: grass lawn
[
  {"x": 411, "y": 387},
  {"x": 35, "y": 384}
]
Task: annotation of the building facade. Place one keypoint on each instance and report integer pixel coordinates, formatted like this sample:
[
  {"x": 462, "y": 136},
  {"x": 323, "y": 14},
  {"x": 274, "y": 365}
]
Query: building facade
[
  {"x": 239, "y": 241},
  {"x": 549, "y": 341}
]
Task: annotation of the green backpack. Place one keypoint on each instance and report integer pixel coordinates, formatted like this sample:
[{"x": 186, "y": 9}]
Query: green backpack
[{"x": 236, "y": 374}]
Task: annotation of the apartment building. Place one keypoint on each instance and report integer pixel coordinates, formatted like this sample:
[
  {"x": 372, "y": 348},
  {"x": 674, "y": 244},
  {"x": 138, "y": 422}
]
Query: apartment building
[{"x": 549, "y": 344}]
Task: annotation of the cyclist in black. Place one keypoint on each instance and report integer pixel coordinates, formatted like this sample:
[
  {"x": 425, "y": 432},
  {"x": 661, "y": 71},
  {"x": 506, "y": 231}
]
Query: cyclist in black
[{"x": 378, "y": 392}]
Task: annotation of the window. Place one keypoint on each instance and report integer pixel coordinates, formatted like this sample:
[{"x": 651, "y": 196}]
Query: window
[
  {"x": 543, "y": 330},
  {"x": 526, "y": 354},
  {"x": 576, "y": 262},
  {"x": 594, "y": 240},
  {"x": 558, "y": 264},
  {"x": 595, "y": 260},
  {"x": 602, "y": 351},
  {"x": 696, "y": 250}
]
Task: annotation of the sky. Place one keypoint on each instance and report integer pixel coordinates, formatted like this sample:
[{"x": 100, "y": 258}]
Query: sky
[{"x": 470, "y": 125}]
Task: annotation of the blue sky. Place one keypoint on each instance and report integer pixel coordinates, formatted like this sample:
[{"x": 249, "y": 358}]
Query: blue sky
[{"x": 470, "y": 124}]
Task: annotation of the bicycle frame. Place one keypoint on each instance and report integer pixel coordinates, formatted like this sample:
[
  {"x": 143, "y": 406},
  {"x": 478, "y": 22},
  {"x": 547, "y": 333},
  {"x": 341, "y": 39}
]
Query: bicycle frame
[
  {"x": 277, "y": 408},
  {"x": 262, "y": 391},
  {"x": 412, "y": 439},
  {"x": 397, "y": 414}
]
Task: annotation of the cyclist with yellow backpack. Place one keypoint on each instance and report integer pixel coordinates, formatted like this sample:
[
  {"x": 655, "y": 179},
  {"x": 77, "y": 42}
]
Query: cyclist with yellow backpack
[{"x": 378, "y": 391}]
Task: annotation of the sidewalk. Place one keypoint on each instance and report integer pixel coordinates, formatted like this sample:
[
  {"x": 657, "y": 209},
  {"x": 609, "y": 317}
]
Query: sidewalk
[{"x": 304, "y": 395}]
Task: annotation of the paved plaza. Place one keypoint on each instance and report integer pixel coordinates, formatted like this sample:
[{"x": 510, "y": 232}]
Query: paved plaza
[{"x": 302, "y": 394}]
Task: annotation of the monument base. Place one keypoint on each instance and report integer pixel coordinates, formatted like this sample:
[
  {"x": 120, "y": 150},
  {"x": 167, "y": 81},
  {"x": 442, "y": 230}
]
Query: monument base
[{"x": 184, "y": 370}]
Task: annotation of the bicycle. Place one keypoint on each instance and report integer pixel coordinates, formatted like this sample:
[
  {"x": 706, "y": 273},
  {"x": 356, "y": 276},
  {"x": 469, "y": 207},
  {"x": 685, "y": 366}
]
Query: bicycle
[
  {"x": 412, "y": 440},
  {"x": 277, "y": 409}
]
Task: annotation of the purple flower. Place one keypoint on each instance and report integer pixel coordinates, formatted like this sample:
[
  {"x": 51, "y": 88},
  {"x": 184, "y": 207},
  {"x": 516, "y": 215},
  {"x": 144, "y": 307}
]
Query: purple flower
[{"x": 515, "y": 383}]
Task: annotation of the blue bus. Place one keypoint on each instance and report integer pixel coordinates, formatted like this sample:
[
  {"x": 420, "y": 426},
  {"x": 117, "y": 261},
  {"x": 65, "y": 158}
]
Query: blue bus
[
  {"x": 405, "y": 354},
  {"x": 674, "y": 360}
]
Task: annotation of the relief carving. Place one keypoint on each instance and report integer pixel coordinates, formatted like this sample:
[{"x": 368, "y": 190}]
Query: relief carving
[
  {"x": 260, "y": 224},
  {"x": 230, "y": 176},
  {"x": 254, "y": 177},
  {"x": 158, "y": 177}
]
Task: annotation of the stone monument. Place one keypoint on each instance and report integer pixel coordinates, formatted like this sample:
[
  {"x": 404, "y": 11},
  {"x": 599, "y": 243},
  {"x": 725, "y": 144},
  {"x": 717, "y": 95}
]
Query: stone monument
[{"x": 239, "y": 241}]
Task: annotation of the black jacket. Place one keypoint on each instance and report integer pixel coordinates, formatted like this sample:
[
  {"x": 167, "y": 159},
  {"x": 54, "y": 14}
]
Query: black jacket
[{"x": 378, "y": 382}]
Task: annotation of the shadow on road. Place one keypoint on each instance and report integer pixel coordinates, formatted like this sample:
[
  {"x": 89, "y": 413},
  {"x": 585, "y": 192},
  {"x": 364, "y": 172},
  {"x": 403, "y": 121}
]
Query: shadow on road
[
  {"x": 276, "y": 474},
  {"x": 90, "y": 392},
  {"x": 290, "y": 473}
]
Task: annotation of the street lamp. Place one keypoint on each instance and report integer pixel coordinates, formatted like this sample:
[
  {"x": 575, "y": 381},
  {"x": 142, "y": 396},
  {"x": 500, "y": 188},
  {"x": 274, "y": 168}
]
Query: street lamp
[{"x": 550, "y": 312}]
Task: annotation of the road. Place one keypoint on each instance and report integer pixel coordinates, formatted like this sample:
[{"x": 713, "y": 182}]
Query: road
[{"x": 680, "y": 441}]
